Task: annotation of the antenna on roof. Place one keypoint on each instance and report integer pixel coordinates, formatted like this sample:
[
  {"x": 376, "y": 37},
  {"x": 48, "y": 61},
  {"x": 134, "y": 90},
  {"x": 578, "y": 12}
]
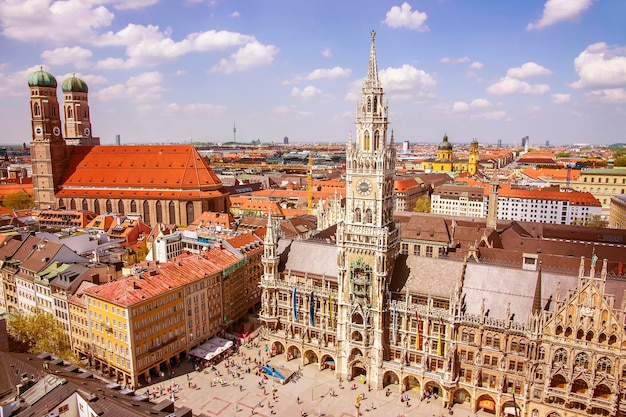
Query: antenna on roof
[{"x": 234, "y": 132}]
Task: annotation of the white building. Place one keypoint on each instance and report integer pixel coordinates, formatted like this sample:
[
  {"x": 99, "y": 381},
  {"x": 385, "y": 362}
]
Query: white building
[{"x": 459, "y": 200}]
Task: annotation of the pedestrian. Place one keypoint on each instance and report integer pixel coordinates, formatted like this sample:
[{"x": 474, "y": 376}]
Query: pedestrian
[
  {"x": 240, "y": 388},
  {"x": 298, "y": 400}
]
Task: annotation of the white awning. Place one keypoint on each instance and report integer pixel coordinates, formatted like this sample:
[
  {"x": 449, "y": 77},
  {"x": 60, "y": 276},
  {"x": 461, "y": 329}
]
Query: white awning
[{"x": 211, "y": 348}]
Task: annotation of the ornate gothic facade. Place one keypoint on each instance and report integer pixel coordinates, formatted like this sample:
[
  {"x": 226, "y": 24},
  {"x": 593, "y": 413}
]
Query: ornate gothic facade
[{"x": 427, "y": 309}]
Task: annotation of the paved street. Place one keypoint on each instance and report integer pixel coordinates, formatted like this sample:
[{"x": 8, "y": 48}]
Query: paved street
[{"x": 312, "y": 390}]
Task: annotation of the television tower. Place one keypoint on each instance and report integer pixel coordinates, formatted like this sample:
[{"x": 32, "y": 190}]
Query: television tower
[{"x": 234, "y": 132}]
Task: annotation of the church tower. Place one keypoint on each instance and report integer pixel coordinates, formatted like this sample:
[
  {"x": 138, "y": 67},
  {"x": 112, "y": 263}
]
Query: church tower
[
  {"x": 472, "y": 163},
  {"x": 48, "y": 150},
  {"x": 367, "y": 239},
  {"x": 76, "y": 111}
]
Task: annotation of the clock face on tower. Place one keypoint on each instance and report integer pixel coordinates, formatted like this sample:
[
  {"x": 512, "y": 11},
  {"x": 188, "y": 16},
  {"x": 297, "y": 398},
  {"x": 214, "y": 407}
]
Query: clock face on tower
[
  {"x": 364, "y": 187},
  {"x": 86, "y": 131},
  {"x": 56, "y": 131},
  {"x": 38, "y": 131}
]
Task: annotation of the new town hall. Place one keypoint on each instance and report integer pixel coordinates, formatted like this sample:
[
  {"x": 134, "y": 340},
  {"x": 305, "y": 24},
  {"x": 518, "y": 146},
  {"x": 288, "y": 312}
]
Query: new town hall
[{"x": 515, "y": 318}]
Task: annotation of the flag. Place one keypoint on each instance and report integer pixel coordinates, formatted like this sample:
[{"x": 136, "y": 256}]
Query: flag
[
  {"x": 312, "y": 309},
  {"x": 394, "y": 324},
  {"x": 295, "y": 305},
  {"x": 417, "y": 333},
  {"x": 439, "y": 346},
  {"x": 330, "y": 301}
]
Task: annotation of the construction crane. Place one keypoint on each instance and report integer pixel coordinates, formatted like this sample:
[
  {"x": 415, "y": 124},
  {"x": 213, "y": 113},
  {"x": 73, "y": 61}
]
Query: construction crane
[{"x": 309, "y": 181}]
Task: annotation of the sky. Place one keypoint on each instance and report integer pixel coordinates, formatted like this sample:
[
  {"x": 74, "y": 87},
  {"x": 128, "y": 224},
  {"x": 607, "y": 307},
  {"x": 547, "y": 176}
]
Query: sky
[{"x": 166, "y": 71}]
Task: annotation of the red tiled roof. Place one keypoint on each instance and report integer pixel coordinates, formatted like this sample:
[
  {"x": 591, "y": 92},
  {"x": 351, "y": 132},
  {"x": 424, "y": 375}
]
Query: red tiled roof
[
  {"x": 158, "y": 171},
  {"x": 574, "y": 197}
]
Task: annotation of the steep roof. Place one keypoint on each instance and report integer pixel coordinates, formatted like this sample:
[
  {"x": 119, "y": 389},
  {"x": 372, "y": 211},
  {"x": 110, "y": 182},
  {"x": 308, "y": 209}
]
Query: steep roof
[{"x": 158, "y": 171}]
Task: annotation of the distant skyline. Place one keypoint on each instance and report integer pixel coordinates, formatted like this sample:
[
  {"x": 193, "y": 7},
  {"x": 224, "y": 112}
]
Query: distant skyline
[{"x": 177, "y": 71}]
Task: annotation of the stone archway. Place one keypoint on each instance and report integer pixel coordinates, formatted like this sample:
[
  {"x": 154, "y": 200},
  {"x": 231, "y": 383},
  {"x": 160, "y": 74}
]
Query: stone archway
[
  {"x": 487, "y": 403},
  {"x": 310, "y": 357},
  {"x": 390, "y": 378},
  {"x": 461, "y": 396},
  {"x": 433, "y": 388},
  {"x": 511, "y": 409},
  {"x": 358, "y": 371},
  {"x": 410, "y": 382},
  {"x": 277, "y": 348},
  {"x": 293, "y": 352},
  {"x": 328, "y": 362}
]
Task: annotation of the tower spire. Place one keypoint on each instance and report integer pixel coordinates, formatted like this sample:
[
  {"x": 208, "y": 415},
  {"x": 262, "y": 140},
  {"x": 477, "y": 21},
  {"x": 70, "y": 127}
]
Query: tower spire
[{"x": 372, "y": 71}]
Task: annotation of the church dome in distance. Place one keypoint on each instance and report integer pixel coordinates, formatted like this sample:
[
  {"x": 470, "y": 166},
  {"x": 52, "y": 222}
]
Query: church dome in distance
[
  {"x": 74, "y": 85},
  {"x": 445, "y": 144},
  {"x": 42, "y": 78}
]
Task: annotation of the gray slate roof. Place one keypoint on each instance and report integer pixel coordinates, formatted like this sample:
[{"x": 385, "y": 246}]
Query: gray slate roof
[{"x": 305, "y": 256}]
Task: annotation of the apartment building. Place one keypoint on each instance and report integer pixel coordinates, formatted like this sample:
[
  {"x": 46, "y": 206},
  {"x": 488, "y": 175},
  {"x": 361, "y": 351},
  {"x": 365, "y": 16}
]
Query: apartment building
[
  {"x": 459, "y": 200},
  {"x": 603, "y": 184}
]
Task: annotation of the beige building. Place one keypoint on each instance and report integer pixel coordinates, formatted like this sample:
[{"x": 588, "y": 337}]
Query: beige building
[
  {"x": 617, "y": 212},
  {"x": 603, "y": 183}
]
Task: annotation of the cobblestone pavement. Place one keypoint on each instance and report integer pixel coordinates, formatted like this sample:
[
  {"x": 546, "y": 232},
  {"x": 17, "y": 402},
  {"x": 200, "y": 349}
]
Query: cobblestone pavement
[{"x": 309, "y": 394}]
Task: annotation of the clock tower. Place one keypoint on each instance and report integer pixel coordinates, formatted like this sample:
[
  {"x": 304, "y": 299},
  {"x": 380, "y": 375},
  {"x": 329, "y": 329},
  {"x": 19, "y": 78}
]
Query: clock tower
[
  {"x": 48, "y": 150},
  {"x": 367, "y": 239}
]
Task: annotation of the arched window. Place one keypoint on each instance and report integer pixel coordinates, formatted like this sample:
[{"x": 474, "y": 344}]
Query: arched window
[
  {"x": 375, "y": 105},
  {"x": 376, "y": 140},
  {"x": 604, "y": 365},
  {"x": 172, "y": 210},
  {"x": 472, "y": 337},
  {"x": 541, "y": 355},
  {"x": 159, "y": 212},
  {"x": 85, "y": 206},
  {"x": 560, "y": 356},
  {"x": 190, "y": 212},
  {"x": 369, "y": 104},
  {"x": 133, "y": 206},
  {"x": 522, "y": 346},
  {"x": 72, "y": 204},
  {"x": 96, "y": 206},
  {"x": 120, "y": 207},
  {"x": 589, "y": 336},
  {"x": 146, "y": 212},
  {"x": 366, "y": 141},
  {"x": 465, "y": 335},
  {"x": 357, "y": 215},
  {"x": 368, "y": 216},
  {"x": 579, "y": 334},
  {"x": 582, "y": 360},
  {"x": 488, "y": 340},
  {"x": 70, "y": 113},
  {"x": 61, "y": 205},
  {"x": 109, "y": 206},
  {"x": 36, "y": 110}
]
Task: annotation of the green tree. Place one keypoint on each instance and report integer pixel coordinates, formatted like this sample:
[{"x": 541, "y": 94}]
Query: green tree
[
  {"x": 422, "y": 205},
  {"x": 41, "y": 332},
  {"x": 18, "y": 201},
  {"x": 620, "y": 161},
  {"x": 595, "y": 221}
]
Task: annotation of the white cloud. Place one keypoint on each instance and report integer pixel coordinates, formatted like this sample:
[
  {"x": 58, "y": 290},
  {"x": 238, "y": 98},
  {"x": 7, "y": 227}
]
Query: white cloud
[
  {"x": 144, "y": 87},
  {"x": 507, "y": 85},
  {"x": 307, "y": 92},
  {"x": 203, "y": 107},
  {"x": 282, "y": 110},
  {"x": 148, "y": 45},
  {"x": 460, "y": 106},
  {"x": 600, "y": 66},
  {"x": 561, "y": 98},
  {"x": 528, "y": 69},
  {"x": 534, "y": 108},
  {"x": 480, "y": 102},
  {"x": 406, "y": 78},
  {"x": 251, "y": 55},
  {"x": 133, "y": 4},
  {"x": 52, "y": 21},
  {"x": 235, "y": 14},
  {"x": 326, "y": 53},
  {"x": 476, "y": 65},
  {"x": 330, "y": 74},
  {"x": 555, "y": 11},
  {"x": 448, "y": 60},
  {"x": 612, "y": 95},
  {"x": 402, "y": 16},
  {"x": 494, "y": 115},
  {"x": 77, "y": 56}
]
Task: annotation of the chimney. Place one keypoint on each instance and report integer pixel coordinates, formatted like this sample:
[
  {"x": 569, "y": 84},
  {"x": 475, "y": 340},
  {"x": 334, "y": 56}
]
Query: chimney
[{"x": 95, "y": 278}]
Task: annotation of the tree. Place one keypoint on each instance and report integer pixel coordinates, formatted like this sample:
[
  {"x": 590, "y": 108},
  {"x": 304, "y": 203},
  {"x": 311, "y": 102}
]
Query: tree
[
  {"x": 18, "y": 201},
  {"x": 422, "y": 205},
  {"x": 41, "y": 332},
  {"x": 595, "y": 221}
]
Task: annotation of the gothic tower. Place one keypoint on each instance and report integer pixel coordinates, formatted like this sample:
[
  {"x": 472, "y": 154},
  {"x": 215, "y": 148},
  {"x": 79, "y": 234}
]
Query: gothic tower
[
  {"x": 472, "y": 163},
  {"x": 48, "y": 150},
  {"x": 367, "y": 239},
  {"x": 76, "y": 111}
]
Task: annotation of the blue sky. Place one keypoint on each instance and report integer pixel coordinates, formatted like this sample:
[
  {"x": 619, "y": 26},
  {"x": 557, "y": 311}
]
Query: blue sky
[{"x": 175, "y": 71}]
